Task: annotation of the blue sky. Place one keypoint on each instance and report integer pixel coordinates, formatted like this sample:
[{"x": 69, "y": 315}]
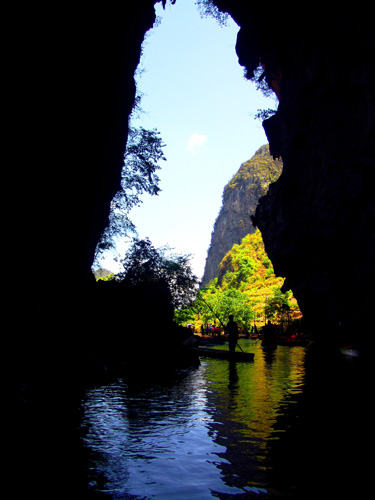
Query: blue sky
[{"x": 195, "y": 95}]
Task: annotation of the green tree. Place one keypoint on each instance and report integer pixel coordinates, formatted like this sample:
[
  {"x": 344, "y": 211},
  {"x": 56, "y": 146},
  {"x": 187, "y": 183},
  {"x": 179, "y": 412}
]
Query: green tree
[
  {"x": 214, "y": 304},
  {"x": 143, "y": 153},
  {"x": 144, "y": 263},
  {"x": 278, "y": 307},
  {"x": 207, "y": 8},
  {"x": 110, "y": 277},
  {"x": 207, "y": 303},
  {"x": 233, "y": 301},
  {"x": 246, "y": 280}
]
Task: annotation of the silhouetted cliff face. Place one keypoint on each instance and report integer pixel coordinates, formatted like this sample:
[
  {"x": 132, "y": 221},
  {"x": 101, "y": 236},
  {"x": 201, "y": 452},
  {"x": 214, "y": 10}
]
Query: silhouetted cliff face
[
  {"x": 73, "y": 90},
  {"x": 71, "y": 74},
  {"x": 240, "y": 199},
  {"x": 70, "y": 93},
  {"x": 318, "y": 219}
]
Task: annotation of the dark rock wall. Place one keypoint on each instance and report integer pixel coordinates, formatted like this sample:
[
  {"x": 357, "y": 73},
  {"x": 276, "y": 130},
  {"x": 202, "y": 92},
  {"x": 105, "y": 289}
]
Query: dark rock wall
[
  {"x": 68, "y": 72},
  {"x": 71, "y": 91},
  {"x": 70, "y": 88},
  {"x": 317, "y": 220}
]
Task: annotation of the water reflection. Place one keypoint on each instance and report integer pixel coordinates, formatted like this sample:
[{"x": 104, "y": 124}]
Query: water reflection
[
  {"x": 206, "y": 435},
  {"x": 248, "y": 401}
]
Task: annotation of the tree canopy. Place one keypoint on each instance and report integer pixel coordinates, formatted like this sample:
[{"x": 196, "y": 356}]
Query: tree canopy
[
  {"x": 143, "y": 153},
  {"x": 144, "y": 263},
  {"x": 246, "y": 287}
]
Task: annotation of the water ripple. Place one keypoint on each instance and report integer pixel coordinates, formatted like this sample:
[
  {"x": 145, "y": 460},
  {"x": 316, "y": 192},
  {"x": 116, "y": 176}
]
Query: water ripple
[{"x": 205, "y": 436}]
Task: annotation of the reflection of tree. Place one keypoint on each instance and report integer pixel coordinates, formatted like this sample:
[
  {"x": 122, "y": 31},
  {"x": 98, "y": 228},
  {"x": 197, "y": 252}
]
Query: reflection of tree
[
  {"x": 233, "y": 378},
  {"x": 248, "y": 410}
]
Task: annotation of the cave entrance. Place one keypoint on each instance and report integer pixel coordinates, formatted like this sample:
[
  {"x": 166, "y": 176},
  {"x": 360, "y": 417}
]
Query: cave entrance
[{"x": 193, "y": 91}]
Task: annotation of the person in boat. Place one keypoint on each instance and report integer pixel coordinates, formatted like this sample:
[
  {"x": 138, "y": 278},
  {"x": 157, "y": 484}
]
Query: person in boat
[
  {"x": 232, "y": 329},
  {"x": 269, "y": 337}
]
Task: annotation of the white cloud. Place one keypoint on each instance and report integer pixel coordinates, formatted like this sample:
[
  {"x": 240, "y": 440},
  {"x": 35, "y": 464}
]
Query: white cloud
[{"x": 195, "y": 141}]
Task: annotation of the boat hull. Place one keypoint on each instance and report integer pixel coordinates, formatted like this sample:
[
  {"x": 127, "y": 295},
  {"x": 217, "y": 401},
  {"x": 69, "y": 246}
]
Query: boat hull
[{"x": 223, "y": 354}]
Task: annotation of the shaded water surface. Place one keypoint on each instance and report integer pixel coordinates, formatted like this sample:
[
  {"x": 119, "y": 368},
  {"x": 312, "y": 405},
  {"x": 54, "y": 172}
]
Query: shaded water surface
[{"x": 221, "y": 430}]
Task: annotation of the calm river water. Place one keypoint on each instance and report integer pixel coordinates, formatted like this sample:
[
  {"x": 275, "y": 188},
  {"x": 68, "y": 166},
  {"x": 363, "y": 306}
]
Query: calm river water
[{"x": 223, "y": 430}]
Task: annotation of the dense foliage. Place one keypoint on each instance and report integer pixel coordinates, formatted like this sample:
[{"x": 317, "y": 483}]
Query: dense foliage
[
  {"x": 261, "y": 170},
  {"x": 143, "y": 153},
  {"x": 246, "y": 287},
  {"x": 143, "y": 263},
  {"x": 208, "y": 9}
]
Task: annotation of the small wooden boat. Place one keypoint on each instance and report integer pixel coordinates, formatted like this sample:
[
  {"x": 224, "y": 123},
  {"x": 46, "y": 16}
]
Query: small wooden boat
[
  {"x": 349, "y": 351},
  {"x": 223, "y": 354}
]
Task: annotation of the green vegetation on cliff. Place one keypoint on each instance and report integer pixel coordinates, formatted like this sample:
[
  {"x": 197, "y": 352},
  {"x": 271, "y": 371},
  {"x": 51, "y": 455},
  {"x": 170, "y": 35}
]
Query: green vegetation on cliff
[
  {"x": 240, "y": 199},
  {"x": 247, "y": 268},
  {"x": 246, "y": 287},
  {"x": 261, "y": 170},
  {"x": 239, "y": 278}
]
